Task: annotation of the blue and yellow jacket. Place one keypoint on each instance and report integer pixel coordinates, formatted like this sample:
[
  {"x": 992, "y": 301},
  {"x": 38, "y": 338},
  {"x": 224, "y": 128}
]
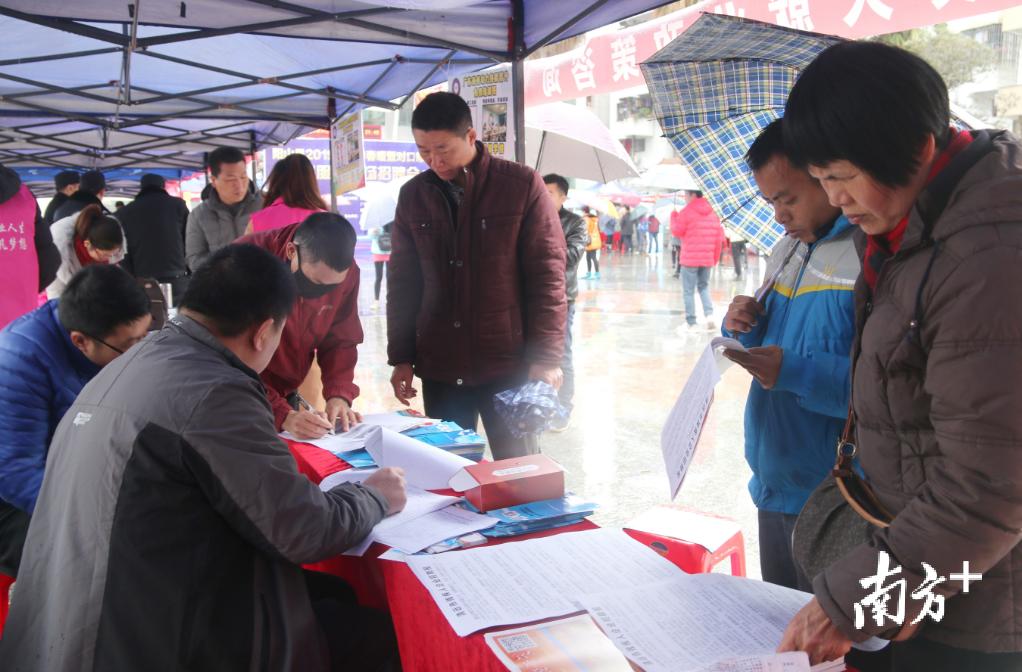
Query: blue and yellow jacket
[{"x": 791, "y": 431}]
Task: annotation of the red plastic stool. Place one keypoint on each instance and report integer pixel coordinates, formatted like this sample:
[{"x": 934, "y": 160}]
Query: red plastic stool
[
  {"x": 5, "y": 588},
  {"x": 694, "y": 541}
]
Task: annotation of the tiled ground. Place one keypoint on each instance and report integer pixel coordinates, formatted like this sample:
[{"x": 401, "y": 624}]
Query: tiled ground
[{"x": 631, "y": 363}]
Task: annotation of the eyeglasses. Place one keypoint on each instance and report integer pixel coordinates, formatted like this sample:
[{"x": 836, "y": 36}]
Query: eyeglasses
[{"x": 100, "y": 340}]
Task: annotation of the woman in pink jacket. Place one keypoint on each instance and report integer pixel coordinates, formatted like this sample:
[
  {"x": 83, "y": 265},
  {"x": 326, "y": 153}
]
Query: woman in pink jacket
[
  {"x": 291, "y": 194},
  {"x": 702, "y": 238}
]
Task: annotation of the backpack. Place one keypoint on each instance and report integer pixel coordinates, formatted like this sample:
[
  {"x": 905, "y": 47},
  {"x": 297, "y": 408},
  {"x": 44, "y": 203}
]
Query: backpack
[{"x": 383, "y": 242}]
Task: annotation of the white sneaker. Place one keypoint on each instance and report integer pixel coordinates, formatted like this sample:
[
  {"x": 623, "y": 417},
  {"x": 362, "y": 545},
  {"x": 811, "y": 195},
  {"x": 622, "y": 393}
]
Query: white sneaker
[{"x": 710, "y": 324}]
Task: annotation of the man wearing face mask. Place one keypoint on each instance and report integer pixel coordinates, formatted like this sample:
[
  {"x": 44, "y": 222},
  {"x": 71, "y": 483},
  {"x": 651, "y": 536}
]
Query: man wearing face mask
[
  {"x": 323, "y": 323},
  {"x": 798, "y": 329}
]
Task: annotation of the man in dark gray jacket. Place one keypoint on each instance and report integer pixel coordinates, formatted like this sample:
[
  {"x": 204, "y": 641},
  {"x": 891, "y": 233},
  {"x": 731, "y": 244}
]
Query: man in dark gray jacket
[
  {"x": 172, "y": 521},
  {"x": 577, "y": 237},
  {"x": 222, "y": 218}
]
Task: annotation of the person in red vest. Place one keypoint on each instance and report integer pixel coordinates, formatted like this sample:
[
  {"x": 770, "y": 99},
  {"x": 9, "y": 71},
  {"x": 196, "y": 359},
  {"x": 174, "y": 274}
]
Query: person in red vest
[
  {"x": 702, "y": 238},
  {"x": 28, "y": 258}
]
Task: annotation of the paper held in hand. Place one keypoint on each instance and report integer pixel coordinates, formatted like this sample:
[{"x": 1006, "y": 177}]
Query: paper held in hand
[{"x": 681, "y": 432}]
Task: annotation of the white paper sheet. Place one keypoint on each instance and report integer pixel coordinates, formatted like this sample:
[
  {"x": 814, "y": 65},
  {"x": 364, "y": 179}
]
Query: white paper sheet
[
  {"x": 426, "y": 466},
  {"x": 725, "y": 343},
  {"x": 709, "y": 532},
  {"x": 534, "y": 579},
  {"x": 680, "y": 435},
  {"x": 695, "y": 620},
  {"x": 341, "y": 442},
  {"x": 451, "y": 521},
  {"x": 793, "y": 661},
  {"x": 420, "y": 503},
  {"x": 396, "y": 422}
]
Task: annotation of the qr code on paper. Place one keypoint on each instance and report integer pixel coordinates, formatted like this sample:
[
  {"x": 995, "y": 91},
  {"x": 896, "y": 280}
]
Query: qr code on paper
[{"x": 516, "y": 643}]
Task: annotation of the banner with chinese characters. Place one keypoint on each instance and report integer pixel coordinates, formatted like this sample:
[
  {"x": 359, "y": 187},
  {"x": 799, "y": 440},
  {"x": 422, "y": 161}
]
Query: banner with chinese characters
[
  {"x": 348, "y": 159},
  {"x": 488, "y": 94},
  {"x": 610, "y": 61},
  {"x": 392, "y": 161}
]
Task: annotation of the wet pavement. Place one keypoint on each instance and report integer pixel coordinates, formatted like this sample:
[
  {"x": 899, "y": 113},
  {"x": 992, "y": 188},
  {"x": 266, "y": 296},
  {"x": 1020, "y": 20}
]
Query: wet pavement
[{"x": 632, "y": 357}]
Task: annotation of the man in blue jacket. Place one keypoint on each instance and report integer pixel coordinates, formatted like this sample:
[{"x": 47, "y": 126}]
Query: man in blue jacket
[
  {"x": 799, "y": 336},
  {"x": 46, "y": 358}
]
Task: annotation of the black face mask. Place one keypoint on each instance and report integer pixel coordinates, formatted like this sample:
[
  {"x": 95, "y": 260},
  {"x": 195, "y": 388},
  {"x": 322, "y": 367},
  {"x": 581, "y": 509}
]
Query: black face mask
[{"x": 307, "y": 289}]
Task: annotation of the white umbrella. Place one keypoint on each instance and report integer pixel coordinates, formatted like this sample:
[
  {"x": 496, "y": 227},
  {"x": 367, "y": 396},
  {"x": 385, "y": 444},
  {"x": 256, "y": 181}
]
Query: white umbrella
[
  {"x": 573, "y": 142},
  {"x": 380, "y": 202},
  {"x": 668, "y": 177}
]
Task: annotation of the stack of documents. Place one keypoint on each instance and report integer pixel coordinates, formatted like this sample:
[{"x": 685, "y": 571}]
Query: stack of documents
[
  {"x": 536, "y": 516},
  {"x": 452, "y": 438}
]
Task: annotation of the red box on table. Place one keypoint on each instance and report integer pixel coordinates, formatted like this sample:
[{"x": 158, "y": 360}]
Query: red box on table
[{"x": 516, "y": 480}]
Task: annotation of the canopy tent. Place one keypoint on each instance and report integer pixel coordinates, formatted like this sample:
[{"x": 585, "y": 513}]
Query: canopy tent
[{"x": 157, "y": 84}]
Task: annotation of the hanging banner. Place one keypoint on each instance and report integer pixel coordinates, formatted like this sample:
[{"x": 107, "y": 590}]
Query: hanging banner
[
  {"x": 609, "y": 61},
  {"x": 488, "y": 94},
  {"x": 348, "y": 155}
]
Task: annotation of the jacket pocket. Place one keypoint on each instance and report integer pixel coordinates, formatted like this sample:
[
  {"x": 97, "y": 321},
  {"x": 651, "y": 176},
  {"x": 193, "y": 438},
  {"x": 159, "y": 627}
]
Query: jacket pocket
[{"x": 500, "y": 335}]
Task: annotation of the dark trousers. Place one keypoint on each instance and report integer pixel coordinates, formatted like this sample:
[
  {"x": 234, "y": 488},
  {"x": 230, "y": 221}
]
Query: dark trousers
[
  {"x": 739, "y": 256},
  {"x": 358, "y": 638},
  {"x": 592, "y": 260},
  {"x": 13, "y": 530},
  {"x": 653, "y": 239},
  {"x": 675, "y": 254},
  {"x": 567, "y": 391},
  {"x": 626, "y": 243},
  {"x": 923, "y": 655},
  {"x": 380, "y": 267},
  {"x": 465, "y": 405},
  {"x": 776, "y": 561}
]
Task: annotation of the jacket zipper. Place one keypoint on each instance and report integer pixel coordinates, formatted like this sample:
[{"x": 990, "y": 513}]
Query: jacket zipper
[{"x": 798, "y": 283}]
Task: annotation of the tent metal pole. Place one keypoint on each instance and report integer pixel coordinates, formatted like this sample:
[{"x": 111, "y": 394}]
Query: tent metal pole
[
  {"x": 439, "y": 64},
  {"x": 68, "y": 26},
  {"x": 58, "y": 57},
  {"x": 517, "y": 45},
  {"x": 252, "y": 150},
  {"x": 566, "y": 25}
]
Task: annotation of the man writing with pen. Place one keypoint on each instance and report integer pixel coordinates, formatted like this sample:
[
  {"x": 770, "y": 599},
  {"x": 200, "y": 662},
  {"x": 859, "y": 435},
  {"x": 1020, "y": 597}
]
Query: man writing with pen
[
  {"x": 324, "y": 324},
  {"x": 798, "y": 330}
]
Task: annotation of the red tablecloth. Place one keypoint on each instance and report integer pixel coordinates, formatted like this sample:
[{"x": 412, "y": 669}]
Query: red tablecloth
[{"x": 425, "y": 639}]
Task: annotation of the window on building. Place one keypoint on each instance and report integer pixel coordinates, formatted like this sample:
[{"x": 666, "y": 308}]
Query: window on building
[{"x": 635, "y": 107}]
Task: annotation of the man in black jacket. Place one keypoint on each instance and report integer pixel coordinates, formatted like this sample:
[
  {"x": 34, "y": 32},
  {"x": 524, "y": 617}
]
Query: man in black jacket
[
  {"x": 91, "y": 188},
  {"x": 577, "y": 237},
  {"x": 154, "y": 226},
  {"x": 66, "y": 183}
]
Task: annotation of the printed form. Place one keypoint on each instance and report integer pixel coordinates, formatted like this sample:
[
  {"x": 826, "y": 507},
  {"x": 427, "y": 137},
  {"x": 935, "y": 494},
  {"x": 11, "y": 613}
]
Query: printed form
[{"x": 534, "y": 579}]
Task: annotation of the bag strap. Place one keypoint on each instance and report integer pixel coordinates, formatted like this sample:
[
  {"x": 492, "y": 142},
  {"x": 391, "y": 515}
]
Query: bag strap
[{"x": 856, "y": 490}]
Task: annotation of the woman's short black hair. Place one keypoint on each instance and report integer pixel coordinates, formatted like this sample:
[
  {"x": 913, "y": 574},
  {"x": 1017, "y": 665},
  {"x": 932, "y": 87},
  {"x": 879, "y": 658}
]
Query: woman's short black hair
[
  {"x": 329, "y": 238},
  {"x": 870, "y": 104},
  {"x": 100, "y": 298},
  {"x": 241, "y": 286},
  {"x": 442, "y": 111}
]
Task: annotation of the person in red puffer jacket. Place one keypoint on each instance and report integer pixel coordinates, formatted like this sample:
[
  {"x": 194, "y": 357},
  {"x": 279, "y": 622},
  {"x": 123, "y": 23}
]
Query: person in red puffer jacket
[{"x": 702, "y": 238}]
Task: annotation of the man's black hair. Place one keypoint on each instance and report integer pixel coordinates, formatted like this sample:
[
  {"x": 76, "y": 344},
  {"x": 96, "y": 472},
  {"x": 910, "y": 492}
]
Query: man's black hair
[
  {"x": 554, "y": 178},
  {"x": 100, "y": 298},
  {"x": 768, "y": 144},
  {"x": 870, "y": 104},
  {"x": 221, "y": 155},
  {"x": 239, "y": 287},
  {"x": 326, "y": 237},
  {"x": 442, "y": 111},
  {"x": 696, "y": 192},
  {"x": 66, "y": 178},
  {"x": 92, "y": 182}
]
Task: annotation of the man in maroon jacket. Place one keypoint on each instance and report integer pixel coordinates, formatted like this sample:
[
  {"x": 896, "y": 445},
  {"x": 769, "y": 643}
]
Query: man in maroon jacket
[
  {"x": 324, "y": 323},
  {"x": 476, "y": 301}
]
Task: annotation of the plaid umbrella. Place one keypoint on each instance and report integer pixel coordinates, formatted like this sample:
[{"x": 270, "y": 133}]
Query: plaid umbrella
[{"x": 714, "y": 88}]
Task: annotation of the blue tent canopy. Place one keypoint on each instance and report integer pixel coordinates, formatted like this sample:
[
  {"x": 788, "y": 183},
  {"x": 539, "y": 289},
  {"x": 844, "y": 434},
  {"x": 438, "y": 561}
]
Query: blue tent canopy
[{"x": 153, "y": 83}]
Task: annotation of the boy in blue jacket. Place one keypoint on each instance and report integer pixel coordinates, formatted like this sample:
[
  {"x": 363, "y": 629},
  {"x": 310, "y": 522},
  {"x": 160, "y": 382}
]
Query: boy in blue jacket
[
  {"x": 799, "y": 335},
  {"x": 46, "y": 358}
]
